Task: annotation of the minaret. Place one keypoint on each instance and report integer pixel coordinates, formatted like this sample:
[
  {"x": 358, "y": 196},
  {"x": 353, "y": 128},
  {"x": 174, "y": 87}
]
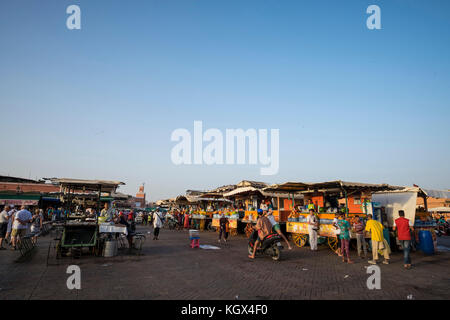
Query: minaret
[{"x": 141, "y": 195}]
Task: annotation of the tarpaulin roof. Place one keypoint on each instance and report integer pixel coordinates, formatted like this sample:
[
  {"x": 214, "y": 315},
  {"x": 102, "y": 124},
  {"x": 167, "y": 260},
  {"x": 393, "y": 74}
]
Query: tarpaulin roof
[
  {"x": 240, "y": 190},
  {"x": 193, "y": 199},
  {"x": 287, "y": 187},
  {"x": 338, "y": 184},
  {"x": 439, "y": 209},
  {"x": 263, "y": 192},
  {"x": 82, "y": 184},
  {"x": 255, "y": 184},
  {"x": 442, "y": 194}
]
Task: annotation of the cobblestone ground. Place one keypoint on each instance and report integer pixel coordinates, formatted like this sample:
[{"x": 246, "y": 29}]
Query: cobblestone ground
[{"x": 169, "y": 269}]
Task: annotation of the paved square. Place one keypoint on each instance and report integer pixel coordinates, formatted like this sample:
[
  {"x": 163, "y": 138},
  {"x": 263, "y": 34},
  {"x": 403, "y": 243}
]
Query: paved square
[{"x": 170, "y": 269}]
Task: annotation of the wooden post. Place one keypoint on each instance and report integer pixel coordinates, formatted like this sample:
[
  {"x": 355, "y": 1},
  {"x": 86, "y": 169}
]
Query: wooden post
[{"x": 425, "y": 203}]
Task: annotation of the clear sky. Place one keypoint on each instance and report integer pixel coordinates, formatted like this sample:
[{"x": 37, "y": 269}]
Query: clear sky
[{"x": 101, "y": 102}]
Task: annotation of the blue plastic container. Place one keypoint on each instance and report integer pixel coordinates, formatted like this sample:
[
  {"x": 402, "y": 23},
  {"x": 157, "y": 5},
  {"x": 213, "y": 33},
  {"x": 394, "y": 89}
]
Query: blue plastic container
[{"x": 426, "y": 242}]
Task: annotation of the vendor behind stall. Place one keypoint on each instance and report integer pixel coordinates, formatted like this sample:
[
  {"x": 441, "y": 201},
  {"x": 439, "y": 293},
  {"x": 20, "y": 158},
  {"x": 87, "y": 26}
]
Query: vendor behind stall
[{"x": 106, "y": 214}]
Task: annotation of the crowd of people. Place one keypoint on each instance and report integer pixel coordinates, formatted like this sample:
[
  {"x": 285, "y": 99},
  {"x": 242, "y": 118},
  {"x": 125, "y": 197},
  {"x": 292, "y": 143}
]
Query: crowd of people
[
  {"x": 343, "y": 228},
  {"x": 15, "y": 224},
  {"x": 362, "y": 229}
]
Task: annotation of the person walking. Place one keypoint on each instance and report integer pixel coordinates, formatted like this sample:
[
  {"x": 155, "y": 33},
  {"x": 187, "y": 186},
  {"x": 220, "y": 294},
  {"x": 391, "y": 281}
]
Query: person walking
[
  {"x": 4, "y": 217},
  {"x": 11, "y": 215},
  {"x": 403, "y": 228},
  {"x": 157, "y": 224},
  {"x": 358, "y": 227},
  {"x": 36, "y": 224},
  {"x": 337, "y": 232},
  {"x": 223, "y": 225},
  {"x": 344, "y": 235},
  {"x": 180, "y": 220},
  {"x": 20, "y": 226},
  {"x": 376, "y": 230},
  {"x": 186, "y": 219},
  {"x": 313, "y": 228}
]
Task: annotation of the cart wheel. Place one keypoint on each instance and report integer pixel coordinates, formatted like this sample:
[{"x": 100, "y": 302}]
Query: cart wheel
[
  {"x": 299, "y": 239},
  {"x": 248, "y": 230},
  {"x": 276, "y": 253},
  {"x": 333, "y": 243}
]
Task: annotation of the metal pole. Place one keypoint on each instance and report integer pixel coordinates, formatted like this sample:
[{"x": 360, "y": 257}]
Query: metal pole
[
  {"x": 346, "y": 203},
  {"x": 98, "y": 202}
]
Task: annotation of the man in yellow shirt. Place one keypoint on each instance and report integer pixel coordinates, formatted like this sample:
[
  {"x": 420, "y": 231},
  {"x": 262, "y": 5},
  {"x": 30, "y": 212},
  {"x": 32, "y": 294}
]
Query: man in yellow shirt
[{"x": 376, "y": 230}]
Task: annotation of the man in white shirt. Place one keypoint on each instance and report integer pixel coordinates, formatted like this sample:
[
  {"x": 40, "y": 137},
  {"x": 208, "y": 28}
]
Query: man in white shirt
[
  {"x": 312, "y": 222},
  {"x": 4, "y": 217},
  {"x": 157, "y": 224},
  {"x": 20, "y": 225}
]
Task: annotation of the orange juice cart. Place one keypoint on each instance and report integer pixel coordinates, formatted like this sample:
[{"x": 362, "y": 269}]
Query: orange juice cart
[
  {"x": 232, "y": 217},
  {"x": 327, "y": 199},
  {"x": 249, "y": 198}
]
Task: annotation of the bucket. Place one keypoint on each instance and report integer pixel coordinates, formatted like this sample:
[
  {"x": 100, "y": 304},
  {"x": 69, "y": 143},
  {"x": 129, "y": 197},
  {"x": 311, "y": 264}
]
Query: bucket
[
  {"x": 426, "y": 242},
  {"x": 110, "y": 249}
]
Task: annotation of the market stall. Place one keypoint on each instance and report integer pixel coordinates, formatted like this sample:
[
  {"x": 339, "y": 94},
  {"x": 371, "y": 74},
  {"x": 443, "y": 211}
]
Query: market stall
[
  {"x": 328, "y": 199},
  {"x": 77, "y": 232},
  {"x": 205, "y": 207},
  {"x": 421, "y": 218}
]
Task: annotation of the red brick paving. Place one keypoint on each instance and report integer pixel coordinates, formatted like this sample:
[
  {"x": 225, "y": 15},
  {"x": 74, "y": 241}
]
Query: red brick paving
[{"x": 169, "y": 269}]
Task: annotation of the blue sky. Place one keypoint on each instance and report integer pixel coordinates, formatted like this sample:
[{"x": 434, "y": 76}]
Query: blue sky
[{"x": 101, "y": 102}]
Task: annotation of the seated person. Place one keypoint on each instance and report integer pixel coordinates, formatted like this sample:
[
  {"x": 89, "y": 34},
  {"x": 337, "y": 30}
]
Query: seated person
[{"x": 122, "y": 220}]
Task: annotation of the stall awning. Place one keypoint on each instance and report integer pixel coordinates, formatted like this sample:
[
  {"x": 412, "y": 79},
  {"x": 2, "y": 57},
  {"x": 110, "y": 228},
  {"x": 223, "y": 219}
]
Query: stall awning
[
  {"x": 19, "y": 199},
  {"x": 329, "y": 185},
  {"x": 87, "y": 185},
  {"x": 282, "y": 195},
  {"x": 287, "y": 187},
  {"x": 442, "y": 194},
  {"x": 241, "y": 191},
  {"x": 440, "y": 209}
]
